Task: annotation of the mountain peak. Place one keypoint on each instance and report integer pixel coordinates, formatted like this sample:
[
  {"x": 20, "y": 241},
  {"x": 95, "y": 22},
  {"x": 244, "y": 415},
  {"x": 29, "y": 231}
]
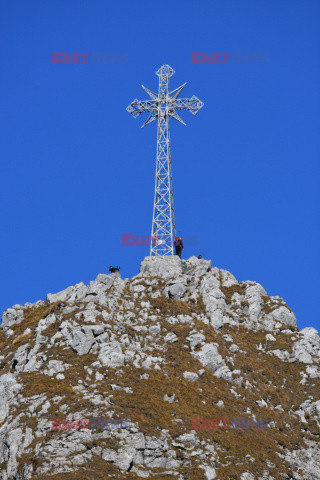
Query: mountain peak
[{"x": 181, "y": 371}]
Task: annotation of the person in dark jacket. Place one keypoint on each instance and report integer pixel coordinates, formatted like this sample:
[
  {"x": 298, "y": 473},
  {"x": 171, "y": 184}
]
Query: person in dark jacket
[{"x": 178, "y": 246}]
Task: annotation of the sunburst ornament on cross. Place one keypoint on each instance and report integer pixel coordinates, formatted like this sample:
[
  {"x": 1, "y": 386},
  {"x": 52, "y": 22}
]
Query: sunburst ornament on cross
[{"x": 163, "y": 105}]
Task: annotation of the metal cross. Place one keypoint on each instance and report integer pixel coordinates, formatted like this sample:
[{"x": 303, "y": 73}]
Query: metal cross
[{"x": 163, "y": 106}]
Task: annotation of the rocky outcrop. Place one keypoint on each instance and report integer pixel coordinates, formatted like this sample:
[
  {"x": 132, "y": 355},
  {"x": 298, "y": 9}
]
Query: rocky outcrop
[{"x": 168, "y": 364}]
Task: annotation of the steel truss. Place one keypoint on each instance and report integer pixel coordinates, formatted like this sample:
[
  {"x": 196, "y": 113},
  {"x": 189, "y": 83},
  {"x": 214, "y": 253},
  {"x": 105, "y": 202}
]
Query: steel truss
[{"x": 163, "y": 106}]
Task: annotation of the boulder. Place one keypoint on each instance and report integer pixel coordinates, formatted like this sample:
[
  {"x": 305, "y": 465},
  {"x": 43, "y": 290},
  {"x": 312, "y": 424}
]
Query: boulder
[
  {"x": 196, "y": 267},
  {"x": 306, "y": 349},
  {"x": 111, "y": 355},
  {"x": 70, "y": 294},
  {"x": 191, "y": 376},
  {"x": 9, "y": 318},
  {"x": 209, "y": 357},
  {"x": 176, "y": 290},
  {"x": 82, "y": 340},
  {"x": 9, "y": 387},
  {"x": 283, "y": 315},
  {"x": 165, "y": 267}
]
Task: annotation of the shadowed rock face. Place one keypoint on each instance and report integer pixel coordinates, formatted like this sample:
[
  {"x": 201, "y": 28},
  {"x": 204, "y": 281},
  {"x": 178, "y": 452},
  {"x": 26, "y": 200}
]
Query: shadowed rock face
[{"x": 179, "y": 372}]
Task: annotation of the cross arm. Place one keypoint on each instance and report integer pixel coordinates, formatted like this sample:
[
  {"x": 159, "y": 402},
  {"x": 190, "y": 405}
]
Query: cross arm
[
  {"x": 192, "y": 104},
  {"x": 140, "y": 106}
]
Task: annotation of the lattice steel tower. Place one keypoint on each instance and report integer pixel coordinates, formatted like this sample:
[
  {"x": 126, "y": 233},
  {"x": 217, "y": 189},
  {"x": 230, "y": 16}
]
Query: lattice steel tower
[{"x": 163, "y": 106}]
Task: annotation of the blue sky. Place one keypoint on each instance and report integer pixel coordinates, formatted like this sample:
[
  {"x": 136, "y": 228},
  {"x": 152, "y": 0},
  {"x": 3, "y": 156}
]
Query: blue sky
[{"x": 77, "y": 171}]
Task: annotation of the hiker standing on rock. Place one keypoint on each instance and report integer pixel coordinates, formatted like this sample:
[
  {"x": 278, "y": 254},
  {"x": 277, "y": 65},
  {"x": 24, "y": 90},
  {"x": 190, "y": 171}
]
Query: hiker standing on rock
[{"x": 179, "y": 246}]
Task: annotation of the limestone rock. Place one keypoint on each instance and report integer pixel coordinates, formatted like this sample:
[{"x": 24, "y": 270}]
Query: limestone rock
[
  {"x": 9, "y": 318},
  {"x": 148, "y": 358},
  {"x": 8, "y": 390},
  {"x": 164, "y": 267},
  {"x": 209, "y": 357},
  {"x": 191, "y": 376},
  {"x": 306, "y": 349},
  {"x": 283, "y": 315},
  {"x": 82, "y": 340},
  {"x": 111, "y": 354}
]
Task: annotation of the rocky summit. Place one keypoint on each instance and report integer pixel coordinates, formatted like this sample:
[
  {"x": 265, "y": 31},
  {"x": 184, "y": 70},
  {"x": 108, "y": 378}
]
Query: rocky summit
[{"x": 181, "y": 372}]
